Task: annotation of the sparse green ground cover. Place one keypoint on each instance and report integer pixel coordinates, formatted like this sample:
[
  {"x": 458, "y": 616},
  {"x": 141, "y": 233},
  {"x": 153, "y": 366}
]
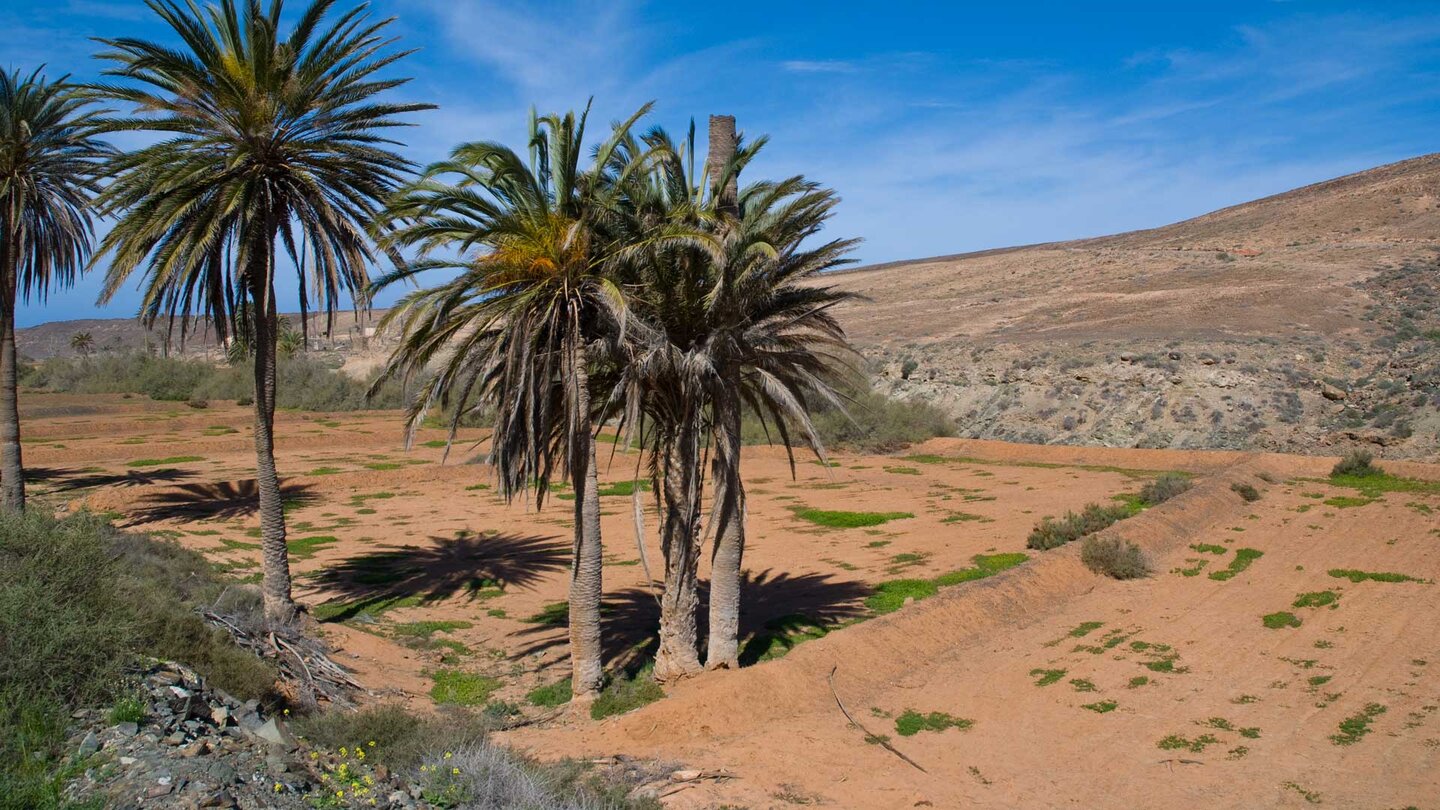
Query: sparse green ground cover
[
  {"x": 832, "y": 519},
  {"x": 890, "y": 595},
  {"x": 1355, "y": 575},
  {"x": 160, "y": 462},
  {"x": 912, "y": 722},
  {"x": 1357, "y": 725},
  {"x": 457, "y": 688},
  {"x": 1243, "y": 559},
  {"x": 1277, "y": 621}
]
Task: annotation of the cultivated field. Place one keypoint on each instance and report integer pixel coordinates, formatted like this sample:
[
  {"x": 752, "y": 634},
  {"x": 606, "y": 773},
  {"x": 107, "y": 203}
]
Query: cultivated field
[{"x": 1243, "y": 673}]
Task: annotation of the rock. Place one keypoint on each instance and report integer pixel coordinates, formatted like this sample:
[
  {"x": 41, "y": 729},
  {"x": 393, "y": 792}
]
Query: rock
[
  {"x": 220, "y": 798},
  {"x": 174, "y": 739},
  {"x": 199, "y": 748},
  {"x": 1331, "y": 393},
  {"x": 89, "y": 746},
  {"x": 1175, "y": 355},
  {"x": 272, "y": 732},
  {"x": 1207, "y": 361},
  {"x": 127, "y": 729},
  {"x": 1175, "y": 380},
  {"x": 158, "y": 791},
  {"x": 221, "y": 773},
  {"x": 127, "y": 761},
  {"x": 220, "y": 716}
]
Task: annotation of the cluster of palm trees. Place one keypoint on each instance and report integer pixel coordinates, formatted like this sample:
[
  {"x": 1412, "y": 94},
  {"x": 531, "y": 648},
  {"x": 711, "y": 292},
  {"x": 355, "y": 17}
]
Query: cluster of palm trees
[{"x": 612, "y": 285}]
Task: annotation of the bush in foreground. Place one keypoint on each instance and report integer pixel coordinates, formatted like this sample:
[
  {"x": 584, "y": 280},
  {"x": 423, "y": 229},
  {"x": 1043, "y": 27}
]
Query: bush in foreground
[
  {"x": 1114, "y": 557},
  {"x": 77, "y": 600}
]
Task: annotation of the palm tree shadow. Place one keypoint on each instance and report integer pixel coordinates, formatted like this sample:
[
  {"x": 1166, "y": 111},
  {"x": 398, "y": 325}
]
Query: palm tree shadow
[
  {"x": 481, "y": 566},
  {"x": 771, "y": 603},
  {"x": 213, "y": 501},
  {"x": 69, "y": 479}
]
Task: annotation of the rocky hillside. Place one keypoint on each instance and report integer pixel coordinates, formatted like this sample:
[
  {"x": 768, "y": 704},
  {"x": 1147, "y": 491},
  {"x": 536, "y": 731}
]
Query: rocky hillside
[
  {"x": 1301, "y": 322},
  {"x": 1305, "y": 322}
]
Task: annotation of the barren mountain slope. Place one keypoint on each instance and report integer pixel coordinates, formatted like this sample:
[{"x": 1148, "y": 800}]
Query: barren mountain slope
[{"x": 1228, "y": 330}]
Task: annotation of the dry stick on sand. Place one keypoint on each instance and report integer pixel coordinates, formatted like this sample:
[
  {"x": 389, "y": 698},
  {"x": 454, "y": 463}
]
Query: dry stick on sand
[{"x": 884, "y": 743}]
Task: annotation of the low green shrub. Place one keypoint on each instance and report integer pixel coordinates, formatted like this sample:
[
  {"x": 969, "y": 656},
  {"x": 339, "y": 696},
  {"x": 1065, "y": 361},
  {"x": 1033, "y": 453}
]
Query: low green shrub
[
  {"x": 1164, "y": 488},
  {"x": 1051, "y": 533},
  {"x": 627, "y": 692},
  {"x": 1356, "y": 464},
  {"x": 402, "y": 737},
  {"x": 1114, "y": 557},
  {"x": 1246, "y": 491},
  {"x": 870, "y": 423}
]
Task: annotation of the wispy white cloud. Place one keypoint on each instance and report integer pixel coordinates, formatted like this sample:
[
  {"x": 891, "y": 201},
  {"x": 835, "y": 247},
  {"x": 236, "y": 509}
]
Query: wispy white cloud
[{"x": 819, "y": 66}]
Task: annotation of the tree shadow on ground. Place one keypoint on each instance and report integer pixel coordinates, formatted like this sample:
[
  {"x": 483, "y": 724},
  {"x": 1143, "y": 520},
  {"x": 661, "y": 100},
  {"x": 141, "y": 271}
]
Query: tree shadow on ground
[
  {"x": 481, "y": 566},
  {"x": 213, "y": 500},
  {"x": 69, "y": 479},
  {"x": 772, "y": 602}
]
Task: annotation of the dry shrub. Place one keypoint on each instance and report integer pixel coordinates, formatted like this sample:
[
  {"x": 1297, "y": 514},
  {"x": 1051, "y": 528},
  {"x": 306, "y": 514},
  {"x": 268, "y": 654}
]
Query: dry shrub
[
  {"x": 1164, "y": 488},
  {"x": 1114, "y": 557}
]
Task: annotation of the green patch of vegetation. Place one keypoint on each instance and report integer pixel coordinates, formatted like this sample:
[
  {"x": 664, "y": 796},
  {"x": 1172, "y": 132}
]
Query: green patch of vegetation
[
  {"x": 436, "y": 443},
  {"x": 1357, "y": 725},
  {"x": 1082, "y": 684},
  {"x": 550, "y": 695},
  {"x": 158, "y": 462},
  {"x": 1243, "y": 559},
  {"x": 847, "y": 520},
  {"x": 902, "y": 470},
  {"x": 1045, "y": 677},
  {"x": 1348, "y": 502},
  {"x": 1101, "y": 707},
  {"x": 1276, "y": 621},
  {"x": 1357, "y": 576},
  {"x": 965, "y": 517},
  {"x": 127, "y": 709},
  {"x": 1209, "y": 548},
  {"x": 1175, "y": 742},
  {"x": 1163, "y": 488},
  {"x": 303, "y": 548},
  {"x": 1316, "y": 599},
  {"x": 627, "y": 693},
  {"x": 912, "y": 722},
  {"x": 625, "y": 488},
  {"x": 877, "y": 544},
  {"x": 1310, "y": 796},
  {"x": 890, "y": 596},
  {"x": 554, "y": 614},
  {"x": 1085, "y": 628},
  {"x": 1246, "y": 491},
  {"x": 1422, "y": 508},
  {"x": 428, "y": 628},
  {"x": 384, "y": 466},
  {"x": 1195, "y": 568},
  {"x": 477, "y": 487},
  {"x": 1051, "y": 533},
  {"x": 453, "y": 687},
  {"x": 1138, "y": 681},
  {"x": 781, "y": 635}
]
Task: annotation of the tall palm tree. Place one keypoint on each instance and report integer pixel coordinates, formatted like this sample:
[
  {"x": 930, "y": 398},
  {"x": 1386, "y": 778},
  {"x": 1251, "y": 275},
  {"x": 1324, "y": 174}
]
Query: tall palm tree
[
  {"x": 515, "y": 329},
  {"x": 49, "y": 172},
  {"x": 723, "y": 323},
  {"x": 271, "y": 139}
]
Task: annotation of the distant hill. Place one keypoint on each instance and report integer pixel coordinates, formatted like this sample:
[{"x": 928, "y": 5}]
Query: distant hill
[
  {"x": 1302, "y": 321},
  {"x": 1305, "y": 322}
]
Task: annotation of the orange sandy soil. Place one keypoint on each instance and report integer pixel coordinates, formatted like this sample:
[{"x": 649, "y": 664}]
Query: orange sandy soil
[{"x": 405, "y": 525}]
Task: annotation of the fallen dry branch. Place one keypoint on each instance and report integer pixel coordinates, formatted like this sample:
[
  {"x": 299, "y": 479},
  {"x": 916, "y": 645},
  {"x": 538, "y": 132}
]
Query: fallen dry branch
[
  {"x": 869, "y": 737},
  {"x": 300, "y": 660}
]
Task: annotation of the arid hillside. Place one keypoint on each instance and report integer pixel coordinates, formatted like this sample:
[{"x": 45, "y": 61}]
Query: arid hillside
[
  {"x": 1306, "y": 322},
  {"x": 1303, "y": 322}
]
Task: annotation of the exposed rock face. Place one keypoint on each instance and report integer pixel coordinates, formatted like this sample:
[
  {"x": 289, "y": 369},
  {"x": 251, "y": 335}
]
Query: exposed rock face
[{"x": 1297, "y": 323}]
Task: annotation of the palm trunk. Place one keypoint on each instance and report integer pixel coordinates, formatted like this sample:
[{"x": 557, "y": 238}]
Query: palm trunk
[
  {"x": 723, "y": 144},
  {"x": 729, "y": 516},
  {"x": 12, "y": 471},
  {"x": 678, "y": 656},
  {"x": 586, "y": 659},
  {"x": 275, "y": 554}
]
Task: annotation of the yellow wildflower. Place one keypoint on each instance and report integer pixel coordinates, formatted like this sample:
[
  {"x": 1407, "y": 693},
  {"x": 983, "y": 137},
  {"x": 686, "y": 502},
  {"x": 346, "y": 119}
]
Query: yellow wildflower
[
  {"x": 448, "y": 755},
  {"x": 455, "y": 771}
]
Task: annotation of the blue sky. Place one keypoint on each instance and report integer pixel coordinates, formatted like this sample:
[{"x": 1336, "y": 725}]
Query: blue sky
[{"x": 945, "y": 127}]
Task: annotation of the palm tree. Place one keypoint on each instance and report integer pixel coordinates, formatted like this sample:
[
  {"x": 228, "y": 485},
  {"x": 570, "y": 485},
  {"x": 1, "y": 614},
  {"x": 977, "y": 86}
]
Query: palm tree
[
  {"x": 49, "y": 172},
  {"x": 82, "y": 343},
  {"x": 515, "y": 329},
  {"x": 730, "y": 327},
  {"x": 270, "y": 139}
]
